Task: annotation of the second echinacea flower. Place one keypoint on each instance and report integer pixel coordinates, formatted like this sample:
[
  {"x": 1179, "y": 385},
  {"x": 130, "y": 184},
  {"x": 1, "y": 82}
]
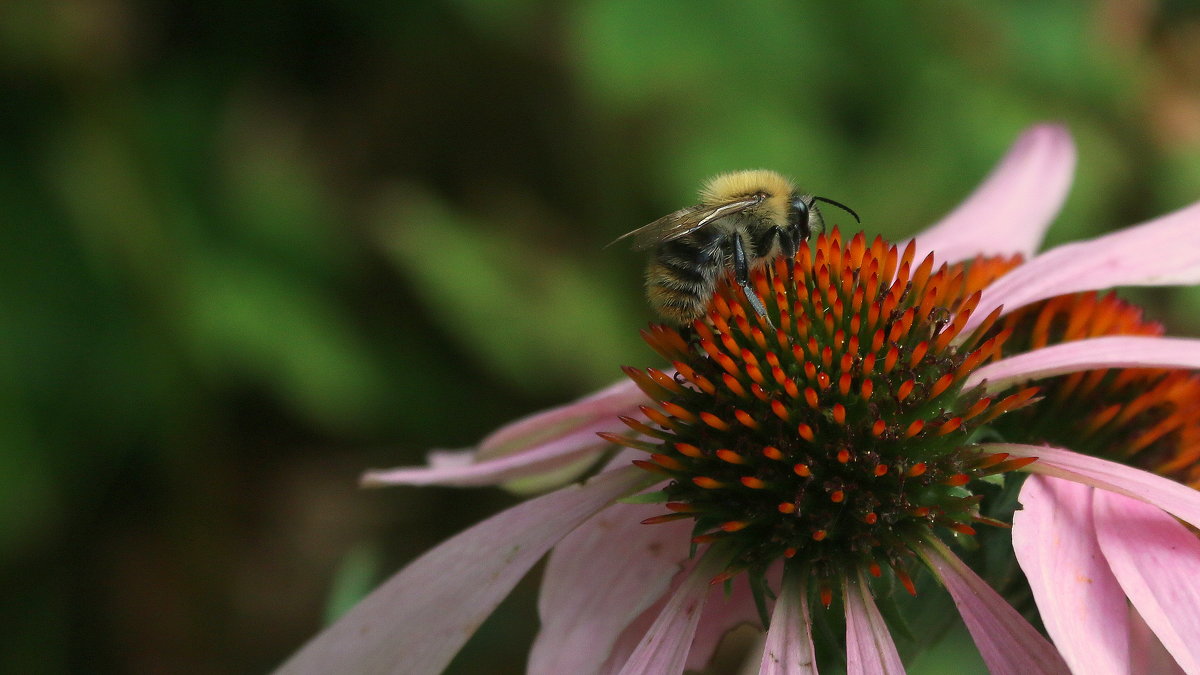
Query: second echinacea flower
[{"x": 854, "y": 442}]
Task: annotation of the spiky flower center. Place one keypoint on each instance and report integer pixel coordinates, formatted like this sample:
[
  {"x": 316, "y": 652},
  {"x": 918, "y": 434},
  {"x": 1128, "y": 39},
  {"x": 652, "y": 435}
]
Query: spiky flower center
[
  {"x": 1146, "y": 417},
  {"x": 840, "y": 435}
]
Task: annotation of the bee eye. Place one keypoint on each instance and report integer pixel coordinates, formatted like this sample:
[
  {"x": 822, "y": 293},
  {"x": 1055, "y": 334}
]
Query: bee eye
[
  {"x": 798, "y": 219},
  {"x": 799, "y": 212}
]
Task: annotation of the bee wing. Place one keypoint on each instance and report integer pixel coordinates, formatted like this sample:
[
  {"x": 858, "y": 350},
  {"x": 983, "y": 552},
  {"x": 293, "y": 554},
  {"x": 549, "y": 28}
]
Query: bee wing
[{"x": 683, "y": 221}]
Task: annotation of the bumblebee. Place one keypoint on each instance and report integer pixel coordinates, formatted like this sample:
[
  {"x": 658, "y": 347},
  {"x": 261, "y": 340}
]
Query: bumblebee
[{"x": 744, "y": 220}]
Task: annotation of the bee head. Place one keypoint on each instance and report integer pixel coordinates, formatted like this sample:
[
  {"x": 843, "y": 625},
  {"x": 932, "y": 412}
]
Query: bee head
[{"x": 803, "y": 217}]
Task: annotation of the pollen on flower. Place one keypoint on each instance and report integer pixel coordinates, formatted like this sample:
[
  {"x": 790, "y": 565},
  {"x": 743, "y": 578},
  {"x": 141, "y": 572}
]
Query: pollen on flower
[{"x": 836, "y": 438}]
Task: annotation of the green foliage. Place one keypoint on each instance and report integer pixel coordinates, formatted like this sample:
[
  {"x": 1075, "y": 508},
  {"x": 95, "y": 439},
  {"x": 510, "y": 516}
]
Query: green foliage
[{"x": 357, "y": 574}]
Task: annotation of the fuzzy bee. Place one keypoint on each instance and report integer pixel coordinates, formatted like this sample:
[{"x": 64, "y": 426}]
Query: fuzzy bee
[{"x": 744, "y": 220}]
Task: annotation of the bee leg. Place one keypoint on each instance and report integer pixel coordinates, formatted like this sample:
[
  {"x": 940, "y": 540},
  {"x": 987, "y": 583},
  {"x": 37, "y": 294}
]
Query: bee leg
[
  {"x": 788, "y": 245},
  {"x": 741, "y": 272}
]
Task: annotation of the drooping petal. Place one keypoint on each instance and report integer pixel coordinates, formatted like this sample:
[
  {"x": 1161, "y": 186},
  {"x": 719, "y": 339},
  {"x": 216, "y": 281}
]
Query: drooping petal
[
  {"x": 1146, "y": 652},
  {"x": 1155, "y": 559},
  {"x": 1011, "y": 210},
  {"x": 869, "y": 645},
  {"x": 564, "y": 421},
  {"x": 1180, "y": 500},
  {"x": 664, "y": 648},
  {"x": 1080, "y": 602},
  {"x": 1161, "y": 252},
  {"x": 418, "y": 620},
  {"x": 541, "y": 442},
  {"x": 1008, "y": 644},
  {"x": 459, "y": 468},
  {"x": 598, "y": 580},
  {"x": 632, "y": 636},
  {"x": 789, "y": 647},
  {"x": 1092, "y": 354},
  {"x": 722, "y": 613}
]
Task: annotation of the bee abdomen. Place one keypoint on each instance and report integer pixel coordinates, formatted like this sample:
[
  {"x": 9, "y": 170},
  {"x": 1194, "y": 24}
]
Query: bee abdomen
[{"x": 679, "y": 292}]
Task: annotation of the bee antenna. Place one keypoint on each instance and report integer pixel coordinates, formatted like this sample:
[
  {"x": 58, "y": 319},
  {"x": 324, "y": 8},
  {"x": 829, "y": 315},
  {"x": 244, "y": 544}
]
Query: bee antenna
[{"x": 841, "y": 206}]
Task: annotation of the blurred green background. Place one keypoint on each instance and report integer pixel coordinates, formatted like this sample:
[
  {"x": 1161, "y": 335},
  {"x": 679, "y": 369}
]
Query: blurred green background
[{"x": 251, "y": 248}]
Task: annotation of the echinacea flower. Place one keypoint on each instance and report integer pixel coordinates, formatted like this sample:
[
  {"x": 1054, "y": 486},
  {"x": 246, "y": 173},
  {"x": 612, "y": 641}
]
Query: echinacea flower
[{"x": 810, "y": 464}]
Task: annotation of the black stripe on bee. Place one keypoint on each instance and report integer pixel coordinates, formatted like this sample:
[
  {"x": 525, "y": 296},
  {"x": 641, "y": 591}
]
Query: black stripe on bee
[
  {"x": 690, "y": 260},
  {"x": 685, "y": 274},
  {"x": 699, "y": 248}
]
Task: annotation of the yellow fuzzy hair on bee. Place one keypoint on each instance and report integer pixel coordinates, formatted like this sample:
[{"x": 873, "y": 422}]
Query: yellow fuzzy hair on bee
[{"x": 729, "y": 186}]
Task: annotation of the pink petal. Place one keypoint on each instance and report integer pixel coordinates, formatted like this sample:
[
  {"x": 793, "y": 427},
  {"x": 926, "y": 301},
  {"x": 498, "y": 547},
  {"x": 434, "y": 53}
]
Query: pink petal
[
  {"x": 632, "y": 636},
  {"x": 1161, "y": 252},
  {"x": 1180, "y": 500},
  {"x": 1147, "y": 654},
  {"x": 542, "y": 442},
  {"x": 1078, "y": 598},
  {"x": 1008, "y": 644},
  {"x": 540, "y": 428},
  {"x": 418, "y": 620},
  {"x": 1155, "y": 558},
  {"x": 1011, "y": 210},
  {"x": 869, "y": 645},
  {"x": 664, "y": 648},
  {"x": 599, "y": 579},
  {"x": 789, "y": 647},
  {"x": 449, "y": 467},
  {"x": 1090, "y": 354},
  {"x": 722, "y": 613}
]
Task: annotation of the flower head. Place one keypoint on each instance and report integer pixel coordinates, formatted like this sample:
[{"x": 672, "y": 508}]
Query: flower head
[
  {"x": 837, "y": 441},
  {"x": 857, "y": 435}
]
